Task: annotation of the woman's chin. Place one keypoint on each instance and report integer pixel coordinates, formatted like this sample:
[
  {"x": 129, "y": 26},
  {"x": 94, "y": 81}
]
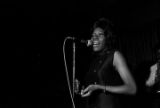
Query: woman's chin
[{"x": 96, "y": 49}]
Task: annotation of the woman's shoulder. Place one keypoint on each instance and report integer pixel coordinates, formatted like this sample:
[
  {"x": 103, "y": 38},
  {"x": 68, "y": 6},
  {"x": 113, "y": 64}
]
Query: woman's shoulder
[
  {"x": 119, "y": 58},
  {"x": 117, "y": 53}
]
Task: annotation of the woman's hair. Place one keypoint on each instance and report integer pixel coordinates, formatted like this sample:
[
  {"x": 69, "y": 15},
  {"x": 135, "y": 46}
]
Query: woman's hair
[{"x": 107, "y": 26}]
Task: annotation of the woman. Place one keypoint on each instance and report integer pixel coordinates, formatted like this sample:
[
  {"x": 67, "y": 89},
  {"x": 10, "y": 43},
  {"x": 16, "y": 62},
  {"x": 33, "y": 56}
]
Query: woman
[{"x": 109, "y": 74}]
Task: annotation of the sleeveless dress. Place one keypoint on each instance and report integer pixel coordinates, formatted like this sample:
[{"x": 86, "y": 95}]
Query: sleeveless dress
[{"x": 103, "y": 72}]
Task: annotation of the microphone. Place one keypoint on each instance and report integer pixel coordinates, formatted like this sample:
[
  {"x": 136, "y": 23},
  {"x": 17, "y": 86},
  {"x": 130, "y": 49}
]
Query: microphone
[{"x": 87, "y": 42}]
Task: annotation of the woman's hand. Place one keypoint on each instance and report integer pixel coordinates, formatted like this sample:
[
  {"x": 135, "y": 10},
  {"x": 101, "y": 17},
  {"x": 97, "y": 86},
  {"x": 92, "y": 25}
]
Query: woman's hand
[{"x": 88, "y": 90}]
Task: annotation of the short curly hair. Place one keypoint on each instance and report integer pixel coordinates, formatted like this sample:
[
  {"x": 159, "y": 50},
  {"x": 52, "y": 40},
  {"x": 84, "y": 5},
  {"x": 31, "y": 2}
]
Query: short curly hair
[{"x": 107, "y": 26}]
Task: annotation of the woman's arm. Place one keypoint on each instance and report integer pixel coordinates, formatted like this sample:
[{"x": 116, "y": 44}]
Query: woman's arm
[
  {"x": 129, "y": 86},
  {"x": 151, "y": 79}
]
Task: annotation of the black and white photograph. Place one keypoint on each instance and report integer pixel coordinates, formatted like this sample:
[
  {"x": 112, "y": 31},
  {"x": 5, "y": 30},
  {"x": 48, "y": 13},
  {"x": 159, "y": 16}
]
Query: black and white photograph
[{"x": 80, "y": 54}]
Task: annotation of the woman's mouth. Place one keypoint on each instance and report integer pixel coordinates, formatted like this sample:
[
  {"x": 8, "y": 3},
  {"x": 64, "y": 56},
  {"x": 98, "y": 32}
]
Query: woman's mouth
[{"x": 95, "y": 43}]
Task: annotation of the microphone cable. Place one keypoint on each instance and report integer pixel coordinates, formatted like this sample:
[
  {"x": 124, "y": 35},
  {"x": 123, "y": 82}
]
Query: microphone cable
[{"x": 66, "y": 70}]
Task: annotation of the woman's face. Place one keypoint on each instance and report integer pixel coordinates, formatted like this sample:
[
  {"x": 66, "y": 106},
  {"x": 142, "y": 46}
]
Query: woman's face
[{"x": 98, "y": 39}]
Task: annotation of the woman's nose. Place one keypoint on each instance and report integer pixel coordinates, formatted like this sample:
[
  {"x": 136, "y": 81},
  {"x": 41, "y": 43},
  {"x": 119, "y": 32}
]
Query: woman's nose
[{"x": 95, "y": 37}]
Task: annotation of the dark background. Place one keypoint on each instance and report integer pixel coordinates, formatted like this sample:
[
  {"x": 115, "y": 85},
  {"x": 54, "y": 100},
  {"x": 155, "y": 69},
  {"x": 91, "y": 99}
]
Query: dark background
[{"x": 32, "y": 35}]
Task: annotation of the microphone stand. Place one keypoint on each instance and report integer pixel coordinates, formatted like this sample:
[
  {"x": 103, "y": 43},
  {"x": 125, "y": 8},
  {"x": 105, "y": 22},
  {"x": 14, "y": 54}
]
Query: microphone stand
[{"x": 74, "y": 51}]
